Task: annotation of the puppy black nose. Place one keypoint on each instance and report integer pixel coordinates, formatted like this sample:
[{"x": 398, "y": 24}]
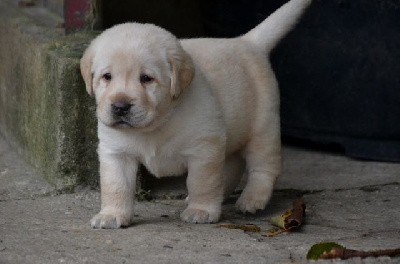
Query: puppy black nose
[{"x": 120, "y": 108}]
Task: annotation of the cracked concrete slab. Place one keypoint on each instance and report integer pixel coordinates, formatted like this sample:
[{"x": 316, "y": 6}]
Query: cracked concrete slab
[
  {"x": 39, "y": 225},
  {"x": 18, "y": 180}
]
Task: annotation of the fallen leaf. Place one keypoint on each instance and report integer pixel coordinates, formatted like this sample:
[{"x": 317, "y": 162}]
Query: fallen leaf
[
  {"x": 246, "y": 227},
  {"x": 333, "y": 250},
  {"x": 279, "y": 220},
  {"x": 291, "y": 220},
  {"x": 295, "y": 220},
  {"x": 317, "y": 250}
]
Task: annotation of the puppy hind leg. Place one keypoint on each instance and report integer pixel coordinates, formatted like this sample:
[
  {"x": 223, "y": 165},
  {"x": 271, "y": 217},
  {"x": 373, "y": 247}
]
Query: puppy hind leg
[
  {"x": 205, "y": 188},
  {"x": 263, "y": 159},
  {"x": 233, "y": 172}
]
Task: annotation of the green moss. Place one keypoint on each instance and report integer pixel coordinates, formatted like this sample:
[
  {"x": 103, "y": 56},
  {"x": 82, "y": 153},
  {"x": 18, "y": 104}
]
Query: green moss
[
  {"x": 44, "y": 109},
  {"x": 76, "y": 131},
  {"x": 73, "y": 45}
]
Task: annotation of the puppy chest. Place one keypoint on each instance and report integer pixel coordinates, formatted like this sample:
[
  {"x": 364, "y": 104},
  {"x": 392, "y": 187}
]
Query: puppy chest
[{"x": 161, "y": 166}]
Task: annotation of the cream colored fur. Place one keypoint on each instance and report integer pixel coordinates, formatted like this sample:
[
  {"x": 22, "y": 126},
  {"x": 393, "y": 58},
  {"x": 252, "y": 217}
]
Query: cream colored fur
[{"x": 210, "y": 108}]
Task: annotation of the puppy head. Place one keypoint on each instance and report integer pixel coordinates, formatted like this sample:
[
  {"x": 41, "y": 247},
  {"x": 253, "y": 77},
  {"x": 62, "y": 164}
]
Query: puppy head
[{"x": 136, "y": 72}]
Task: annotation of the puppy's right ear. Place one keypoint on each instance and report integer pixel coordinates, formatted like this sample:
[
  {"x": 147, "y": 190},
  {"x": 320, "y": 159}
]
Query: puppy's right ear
[
  {"x": 86, "y": 69},
  {"x": 182, "y": 72}
]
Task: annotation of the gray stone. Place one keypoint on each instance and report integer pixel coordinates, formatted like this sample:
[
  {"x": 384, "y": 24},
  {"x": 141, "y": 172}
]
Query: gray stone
[
  {"x": 313, "y": 170},
  {"x": 54, "y": 227},
  {"x": 44, "y": 109}
]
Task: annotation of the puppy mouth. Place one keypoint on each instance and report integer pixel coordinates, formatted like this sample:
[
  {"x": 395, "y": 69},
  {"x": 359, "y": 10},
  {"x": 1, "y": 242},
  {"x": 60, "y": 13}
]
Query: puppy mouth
[
  {"x": 122, "y": 124},
  {"x": 129, "y": 122},
  {"x": 132, "y": 120}
]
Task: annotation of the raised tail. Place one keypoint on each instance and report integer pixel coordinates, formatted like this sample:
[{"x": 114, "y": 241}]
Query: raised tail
[{"x": 267, "y": 34}]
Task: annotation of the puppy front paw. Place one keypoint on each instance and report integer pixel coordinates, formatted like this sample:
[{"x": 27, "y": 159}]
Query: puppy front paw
[
  {"x": 251, "y": 201},
  {"x": 109, "y": 221},
  {"x": 200, "y": 216}
]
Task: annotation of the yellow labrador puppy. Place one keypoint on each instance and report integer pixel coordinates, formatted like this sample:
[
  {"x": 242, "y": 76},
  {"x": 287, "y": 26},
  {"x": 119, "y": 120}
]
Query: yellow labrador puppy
[{"x": 209, "y": 107}]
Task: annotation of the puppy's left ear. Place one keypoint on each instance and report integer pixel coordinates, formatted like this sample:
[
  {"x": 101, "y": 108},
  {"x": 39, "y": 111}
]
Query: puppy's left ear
[
  {"x": 182, "y": 72},
  {"x": 86, "y": 69}
]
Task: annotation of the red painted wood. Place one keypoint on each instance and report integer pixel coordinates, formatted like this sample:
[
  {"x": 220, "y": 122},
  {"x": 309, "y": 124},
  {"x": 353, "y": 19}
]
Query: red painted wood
[{"x": 76, "y": 14}]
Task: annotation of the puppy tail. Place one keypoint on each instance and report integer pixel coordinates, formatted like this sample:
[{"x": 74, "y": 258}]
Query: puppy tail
[{"x": 267, "y": 34}]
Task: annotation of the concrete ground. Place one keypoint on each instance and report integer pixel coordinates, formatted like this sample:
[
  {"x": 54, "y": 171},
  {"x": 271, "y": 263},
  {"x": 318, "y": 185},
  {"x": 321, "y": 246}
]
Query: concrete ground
[{"x": 355, "y": 203}]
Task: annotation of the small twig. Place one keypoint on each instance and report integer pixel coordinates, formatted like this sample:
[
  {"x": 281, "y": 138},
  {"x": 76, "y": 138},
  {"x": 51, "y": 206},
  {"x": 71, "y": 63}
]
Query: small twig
[{"x": 344, "y": 253}]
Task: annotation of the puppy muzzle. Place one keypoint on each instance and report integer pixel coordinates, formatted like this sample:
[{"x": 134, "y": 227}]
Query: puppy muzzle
[
  {"x": 120, "y": 109},
  {"x": 125, "y": 115}
]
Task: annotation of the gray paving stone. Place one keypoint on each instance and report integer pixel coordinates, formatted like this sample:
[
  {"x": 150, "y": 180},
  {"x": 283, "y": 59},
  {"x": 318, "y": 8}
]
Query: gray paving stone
[{"x": 38, "y": 225}]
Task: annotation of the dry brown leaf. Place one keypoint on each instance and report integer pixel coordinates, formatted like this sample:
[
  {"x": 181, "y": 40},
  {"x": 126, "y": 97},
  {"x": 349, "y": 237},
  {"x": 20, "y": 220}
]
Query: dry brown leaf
[{"x": 291, "y": 220}]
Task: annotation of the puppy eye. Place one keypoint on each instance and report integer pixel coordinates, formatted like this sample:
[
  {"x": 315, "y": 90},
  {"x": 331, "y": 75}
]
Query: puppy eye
[
  {"x": 144, "y": 79},
  {"x": 107, "y": 76}
]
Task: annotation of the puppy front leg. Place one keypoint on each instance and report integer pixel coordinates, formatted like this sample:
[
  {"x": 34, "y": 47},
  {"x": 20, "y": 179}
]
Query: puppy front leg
[
  {"x": 205, "y": 188},
  {"x": 118, "y": 183}
]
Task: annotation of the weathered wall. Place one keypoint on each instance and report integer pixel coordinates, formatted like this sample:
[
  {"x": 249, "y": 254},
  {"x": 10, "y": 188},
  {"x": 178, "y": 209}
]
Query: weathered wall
[{"x": 44, "y": 110}]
